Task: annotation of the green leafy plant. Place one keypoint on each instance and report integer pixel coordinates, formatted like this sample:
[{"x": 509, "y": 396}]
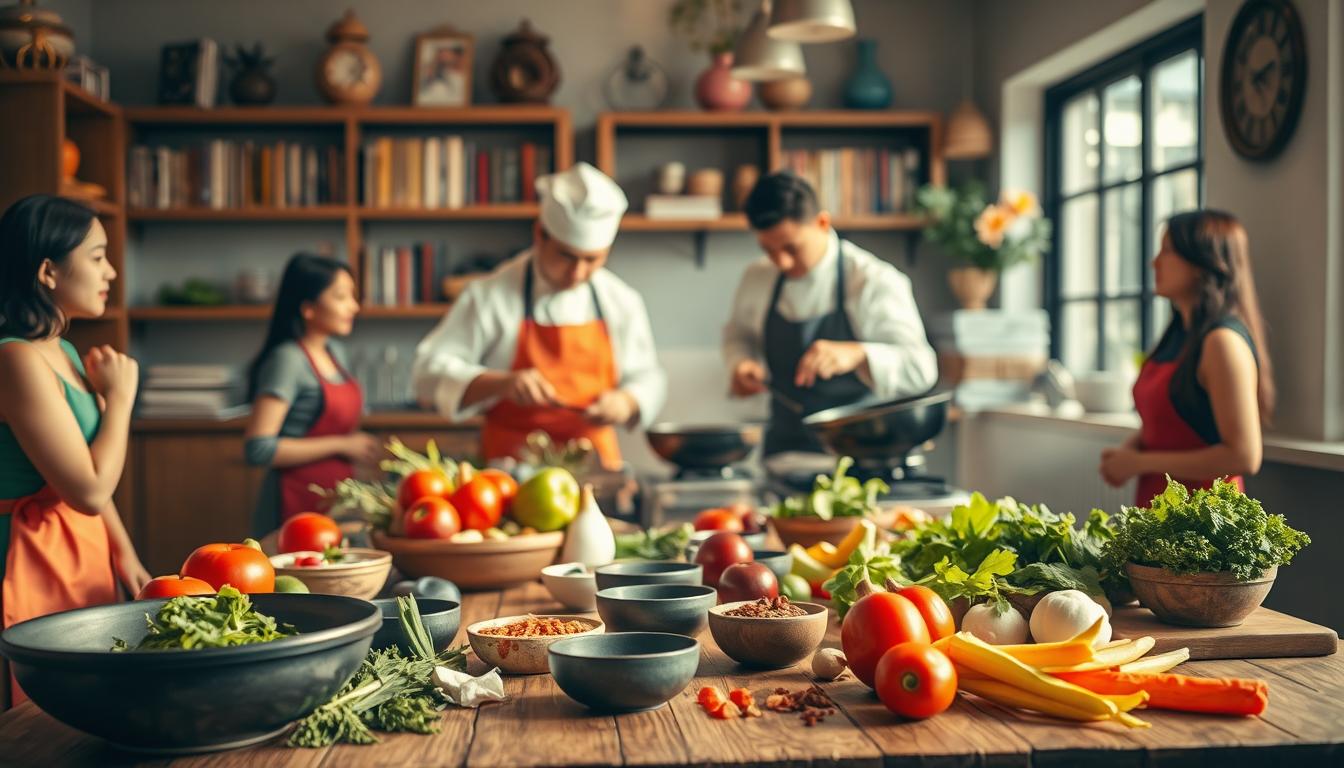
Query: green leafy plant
[
  {"x": 873, "y": 561},
  {"x": 227, "y": 619},
  {"x": 1211, "y": 530},
  {"x": 655, "y": 544},
  {"x": 992, "y": 236},
  {"x": 836, "y": 495},
  {"x": 709, "y": 25}
]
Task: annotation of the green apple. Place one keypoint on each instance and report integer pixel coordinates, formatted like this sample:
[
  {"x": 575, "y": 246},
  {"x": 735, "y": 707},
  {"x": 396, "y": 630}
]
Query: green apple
[
  {"x": 548, "y": 501},
  {"x": 286, "y": 583},
  {"x": 795, "y": 588}
]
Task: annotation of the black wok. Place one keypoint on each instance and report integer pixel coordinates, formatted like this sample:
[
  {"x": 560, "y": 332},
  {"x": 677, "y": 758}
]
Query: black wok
[
  {"x": 704, "y": 446},
  {"x": 881, "y": 433}
]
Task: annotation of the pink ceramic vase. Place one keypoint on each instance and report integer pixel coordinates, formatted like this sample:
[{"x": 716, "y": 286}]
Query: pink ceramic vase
[{"x": 716, "y": 89}]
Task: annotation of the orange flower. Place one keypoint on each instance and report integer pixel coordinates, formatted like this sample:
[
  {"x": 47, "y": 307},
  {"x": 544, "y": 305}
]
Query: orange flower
[
  {"x": 1020, "y": 202},
  {"x": 992, "y": 223}
]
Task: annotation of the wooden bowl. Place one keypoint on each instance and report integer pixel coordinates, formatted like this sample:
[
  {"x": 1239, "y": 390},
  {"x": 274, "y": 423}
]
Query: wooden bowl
[
  {"x": 522, "y": 655},
  {"x": 806, "y": 531},
  {"x": 482, "y": 565},
  {"x": 1198, "y": 599},
  {"x": 360, "y": 574},
  {"x": 768, "y": 643}
]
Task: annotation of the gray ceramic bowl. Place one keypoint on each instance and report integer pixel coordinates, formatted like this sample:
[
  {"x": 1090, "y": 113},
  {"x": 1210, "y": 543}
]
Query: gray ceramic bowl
[
  {"x": 168, "y": 701},
  {"x": 648, "y": 572},
  {"x": 681, "y": 609},
  {"x": 440, "y": 617},
  {"x": 624, "y": 672},
  {"x": 776, "y": 560},
  {"x": 768, "y": 643}
]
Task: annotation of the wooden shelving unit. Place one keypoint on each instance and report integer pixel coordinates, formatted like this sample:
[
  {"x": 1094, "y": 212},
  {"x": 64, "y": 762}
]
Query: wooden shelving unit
[{"x": 230, "y": 312}]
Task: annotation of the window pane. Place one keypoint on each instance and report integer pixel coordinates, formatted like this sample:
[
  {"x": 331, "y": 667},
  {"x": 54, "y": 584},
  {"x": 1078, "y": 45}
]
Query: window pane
[
  {"x": 1161, "y": 309},
  {"x": 1124, "y": 240},
  {"x": 1078, "y": 336},
  {"x": 1078, "y": 247},
  {"x": 1079, "y": 141},
  {"x": 1173, "y": 193},
  {"x": 1175, "y": 111},
  {"x": 1124, "y": 130},
  {"x": 1123, "y": 328}
]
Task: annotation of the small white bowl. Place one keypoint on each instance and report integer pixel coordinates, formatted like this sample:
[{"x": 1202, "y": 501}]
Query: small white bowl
[
  {"x": 1104, "y": 392},
  {"x": 572, "y": 585}
]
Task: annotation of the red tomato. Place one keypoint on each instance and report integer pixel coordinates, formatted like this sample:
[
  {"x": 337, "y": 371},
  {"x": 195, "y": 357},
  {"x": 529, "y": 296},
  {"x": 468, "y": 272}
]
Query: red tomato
[
  {"x": 916, "y": 680},
  {"x": 747, "y": 581},
  {"x": 720, "y": 551},
  {"x": 432, "y": 518},
  {"x": 245, "y": 568},
  {"x": 874, "y": 624},
  {"x": 422, "y": 483},
  {"x": 308, "y": 561},
  {"x": 174, "y": 586},
  {"x": 718, "y": 519},
  {"x": 309, "y": 532},
  {"x": 479, "y": 504},
  {"x": 508, "y": 487},
  {"x": 937, "y": 616}
]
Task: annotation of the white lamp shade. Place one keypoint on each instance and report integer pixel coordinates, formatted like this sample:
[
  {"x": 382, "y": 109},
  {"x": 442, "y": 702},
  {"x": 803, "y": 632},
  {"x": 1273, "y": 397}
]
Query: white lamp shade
[
  {"x": 759, "y": 57},
  {"x": 968, "y": 136},
  {"x": 812, "y": 21}
]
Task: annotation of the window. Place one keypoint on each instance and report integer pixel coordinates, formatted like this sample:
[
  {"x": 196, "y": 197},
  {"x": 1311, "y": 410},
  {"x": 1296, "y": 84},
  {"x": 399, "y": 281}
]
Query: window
[{"x": 1124, "y": 152}]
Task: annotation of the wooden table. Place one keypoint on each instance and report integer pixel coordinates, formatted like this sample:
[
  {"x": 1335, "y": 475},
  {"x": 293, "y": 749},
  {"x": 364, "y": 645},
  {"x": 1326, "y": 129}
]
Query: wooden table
[{"x": 539, "y": 725}]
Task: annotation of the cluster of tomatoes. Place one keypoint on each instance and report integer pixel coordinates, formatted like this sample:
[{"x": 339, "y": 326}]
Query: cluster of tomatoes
[
  {"x": 887, "y": 636},
  {"x": 738, "y": 518},
  {"x": 433, "y": 509}
]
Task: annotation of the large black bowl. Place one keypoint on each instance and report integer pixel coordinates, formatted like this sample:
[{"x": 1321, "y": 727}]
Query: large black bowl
[
  {"x": 183, "y": 701},
  {"x": 703, "y": 446},
  {"x": 880, "y": 433}
]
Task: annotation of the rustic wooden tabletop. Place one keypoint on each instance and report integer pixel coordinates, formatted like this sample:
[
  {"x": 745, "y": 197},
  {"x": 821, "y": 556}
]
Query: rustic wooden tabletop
[{"x": 539, "y": 725}]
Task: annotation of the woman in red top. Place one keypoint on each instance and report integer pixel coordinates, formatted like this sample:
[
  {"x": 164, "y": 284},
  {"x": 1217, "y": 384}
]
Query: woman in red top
[{"x": 1205, "y": 391}]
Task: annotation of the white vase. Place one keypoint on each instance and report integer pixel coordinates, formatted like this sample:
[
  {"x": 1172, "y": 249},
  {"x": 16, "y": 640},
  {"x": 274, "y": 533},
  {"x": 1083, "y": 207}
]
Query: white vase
[{"x": 589, "y": 539}]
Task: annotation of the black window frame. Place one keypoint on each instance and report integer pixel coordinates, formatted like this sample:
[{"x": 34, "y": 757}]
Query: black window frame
[{"x": 1139, "y": 61}]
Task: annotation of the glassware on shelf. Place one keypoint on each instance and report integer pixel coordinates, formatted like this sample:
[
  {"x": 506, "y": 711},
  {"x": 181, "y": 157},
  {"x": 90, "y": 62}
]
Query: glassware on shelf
[{"x": 638, "y": 83}]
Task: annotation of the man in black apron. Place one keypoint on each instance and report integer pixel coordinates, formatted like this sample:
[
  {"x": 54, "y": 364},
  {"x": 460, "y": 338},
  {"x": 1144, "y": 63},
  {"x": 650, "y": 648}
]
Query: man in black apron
[{"x": 821, "y": 323}]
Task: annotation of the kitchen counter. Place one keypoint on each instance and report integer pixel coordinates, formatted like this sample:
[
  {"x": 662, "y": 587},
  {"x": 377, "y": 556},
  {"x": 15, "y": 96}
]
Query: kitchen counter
[{"x": 539, "y": 725}]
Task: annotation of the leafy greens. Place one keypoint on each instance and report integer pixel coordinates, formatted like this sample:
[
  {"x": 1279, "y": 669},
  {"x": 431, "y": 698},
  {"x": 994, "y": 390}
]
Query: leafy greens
[
  {"x": 226, "y": 619},
  {"x": 837, "y": 495}
]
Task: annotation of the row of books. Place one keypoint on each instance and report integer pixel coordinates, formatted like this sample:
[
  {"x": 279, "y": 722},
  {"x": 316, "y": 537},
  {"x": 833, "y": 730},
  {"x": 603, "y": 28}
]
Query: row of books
[
  {"x": 221, "y": 174},
  {"x": 855, "y": 182},
  {"x": 449, "y": 172},
  {"x": 403, "y": 275},
  {"x": 191, "y": 392}
]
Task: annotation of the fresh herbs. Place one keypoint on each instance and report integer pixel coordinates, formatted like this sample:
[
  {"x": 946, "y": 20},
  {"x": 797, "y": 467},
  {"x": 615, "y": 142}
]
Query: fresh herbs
[
  {"x": 873, "y": 561},
  {"x": 1212, "y": 530},
  {"x": 390, "y": 692},
  {"x": 653, "y": 544},
  {"x": 837, "y": 495},
  {"x": 226, "y": 619}
]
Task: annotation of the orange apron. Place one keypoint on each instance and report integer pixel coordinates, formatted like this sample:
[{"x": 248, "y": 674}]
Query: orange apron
[
  {"x": 578, "y": 361},
  {"x": 58, "y": 560}
]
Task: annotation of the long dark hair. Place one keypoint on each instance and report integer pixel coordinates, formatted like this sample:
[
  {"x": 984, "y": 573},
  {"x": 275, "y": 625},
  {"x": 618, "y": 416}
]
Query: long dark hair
[
  {"x": 36, "y": 229},
  {"x": 1216, "y": 242},
  {"x": 306, "y": 277}
]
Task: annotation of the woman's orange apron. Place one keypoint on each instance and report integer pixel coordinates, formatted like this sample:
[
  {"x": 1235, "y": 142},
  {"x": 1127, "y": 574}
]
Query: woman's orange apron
[
  {"x": 579, "y": 362},
  {"x": 59, "y": 559}
]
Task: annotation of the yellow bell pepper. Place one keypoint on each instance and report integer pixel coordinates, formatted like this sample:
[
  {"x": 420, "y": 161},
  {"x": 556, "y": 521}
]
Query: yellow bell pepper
[{"x": 966, "y": 650}]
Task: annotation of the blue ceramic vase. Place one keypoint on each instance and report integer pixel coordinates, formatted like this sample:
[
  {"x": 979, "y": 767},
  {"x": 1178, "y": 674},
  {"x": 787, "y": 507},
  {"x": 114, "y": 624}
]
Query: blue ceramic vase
[{"x": 867, "y": 88}]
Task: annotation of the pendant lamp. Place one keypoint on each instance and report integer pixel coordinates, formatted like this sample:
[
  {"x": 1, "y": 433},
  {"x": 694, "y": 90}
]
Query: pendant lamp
[
  {"x": 968, "y": 136},
  {"x": 760, "y": 58},
  {"x": 812, "y": 21}
]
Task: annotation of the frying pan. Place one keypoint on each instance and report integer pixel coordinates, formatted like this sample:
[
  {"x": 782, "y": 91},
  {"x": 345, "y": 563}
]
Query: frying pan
[
  {"x": 884, "y": 432},
  {"x": 703, "y": 446}
]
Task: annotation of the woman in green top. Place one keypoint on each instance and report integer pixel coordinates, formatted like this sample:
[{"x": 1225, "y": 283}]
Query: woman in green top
[{"x": 63, "y": 421}]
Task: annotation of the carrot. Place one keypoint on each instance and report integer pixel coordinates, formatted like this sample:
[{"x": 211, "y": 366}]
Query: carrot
[{"x": 1224, "y": 696}]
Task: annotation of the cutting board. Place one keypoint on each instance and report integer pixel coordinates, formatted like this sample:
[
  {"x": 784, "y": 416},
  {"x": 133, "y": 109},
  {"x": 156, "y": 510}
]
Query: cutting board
[{"x": 1265, "y": 634}]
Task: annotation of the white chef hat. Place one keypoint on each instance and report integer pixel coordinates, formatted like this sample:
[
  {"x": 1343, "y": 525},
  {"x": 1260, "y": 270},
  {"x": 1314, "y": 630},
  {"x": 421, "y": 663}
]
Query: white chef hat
[{"x": 581, "y": 207}]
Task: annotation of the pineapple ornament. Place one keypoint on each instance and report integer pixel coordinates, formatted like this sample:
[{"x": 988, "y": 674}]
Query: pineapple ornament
[{"x": 252, "y": 82}]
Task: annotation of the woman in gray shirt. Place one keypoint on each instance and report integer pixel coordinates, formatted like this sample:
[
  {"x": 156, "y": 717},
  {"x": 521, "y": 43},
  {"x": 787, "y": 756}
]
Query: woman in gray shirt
[{"x": 306, "y": 406}]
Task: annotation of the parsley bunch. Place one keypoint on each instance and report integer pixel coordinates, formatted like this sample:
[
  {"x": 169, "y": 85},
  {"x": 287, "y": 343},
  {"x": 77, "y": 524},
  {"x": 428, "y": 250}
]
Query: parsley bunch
[{"x": 226, "y": 619}]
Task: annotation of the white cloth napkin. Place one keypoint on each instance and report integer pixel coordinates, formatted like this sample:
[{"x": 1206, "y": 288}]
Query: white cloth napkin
[{"x": 466, "y": 691}]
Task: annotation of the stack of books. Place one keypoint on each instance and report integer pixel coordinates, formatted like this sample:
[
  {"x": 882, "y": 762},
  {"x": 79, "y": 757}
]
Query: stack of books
[
  {"x": 449, "y": 172},
  {"x": 857, "y": 182},
  {"x": 221, "y": 173},
  {"x": 191, "y": 392},
  {"x": 990, "y": 356}
]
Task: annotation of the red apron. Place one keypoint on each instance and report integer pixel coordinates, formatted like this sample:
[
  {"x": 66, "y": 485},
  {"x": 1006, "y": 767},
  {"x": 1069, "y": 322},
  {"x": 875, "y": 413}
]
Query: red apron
[
  {"x": 58, "y": 560},
  {"x": 342, "y": 405},
  {"x": 1163, "y": 429},
  {"x": 578, "y": 361}
]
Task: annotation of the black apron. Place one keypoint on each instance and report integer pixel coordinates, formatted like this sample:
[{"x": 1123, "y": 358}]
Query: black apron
[{"x": 785, "y": 343}]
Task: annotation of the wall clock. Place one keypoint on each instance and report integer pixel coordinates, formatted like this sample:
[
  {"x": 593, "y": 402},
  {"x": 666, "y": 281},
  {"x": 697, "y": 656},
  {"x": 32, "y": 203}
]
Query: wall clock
[
  {"x": 1264, "y": 77},
  {"x": 348, "y": 73}
]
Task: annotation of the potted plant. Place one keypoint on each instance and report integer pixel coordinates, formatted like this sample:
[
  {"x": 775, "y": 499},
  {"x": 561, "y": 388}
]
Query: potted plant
[
  {"x": 985, "y": 238},
  {"x": 1202, "y": 559},
  {"x": 713, "y": 26}
]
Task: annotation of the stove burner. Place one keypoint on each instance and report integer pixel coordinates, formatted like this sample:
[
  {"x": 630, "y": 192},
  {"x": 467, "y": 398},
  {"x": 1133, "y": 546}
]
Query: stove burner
[{"x": 723, "y": 473}]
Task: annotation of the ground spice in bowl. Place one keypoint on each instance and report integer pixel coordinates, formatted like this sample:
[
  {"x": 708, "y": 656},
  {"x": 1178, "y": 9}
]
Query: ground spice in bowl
[
  {"x": 767, "y": 608},
  {"x": 538, "y": 626}
]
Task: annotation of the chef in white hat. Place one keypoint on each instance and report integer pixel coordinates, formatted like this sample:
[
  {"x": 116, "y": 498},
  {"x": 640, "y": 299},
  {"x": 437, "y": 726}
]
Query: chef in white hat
[{"x": 550, "y": 340}]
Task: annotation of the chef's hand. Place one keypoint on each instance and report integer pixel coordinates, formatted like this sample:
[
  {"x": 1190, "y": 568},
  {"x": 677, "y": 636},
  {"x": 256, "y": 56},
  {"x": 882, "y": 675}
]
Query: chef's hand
[
  {"x": 1118, "y": 465},
  {"x": 615, "y": 406},
  {"x": 826, "y": 359},
  {"x": 748, "y": 378},
  {"x": 529, "y": 388}
]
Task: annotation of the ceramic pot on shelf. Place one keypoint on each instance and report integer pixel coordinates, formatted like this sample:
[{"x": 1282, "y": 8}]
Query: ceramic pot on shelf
[
  {"x": 717, "y": 90},
  {"x": 785, "y": 95},
  {"x": 972, "y": 286}
]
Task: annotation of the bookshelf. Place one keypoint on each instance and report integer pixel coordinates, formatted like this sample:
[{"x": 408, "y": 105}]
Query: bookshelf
[{"x": 349, "y": 128}]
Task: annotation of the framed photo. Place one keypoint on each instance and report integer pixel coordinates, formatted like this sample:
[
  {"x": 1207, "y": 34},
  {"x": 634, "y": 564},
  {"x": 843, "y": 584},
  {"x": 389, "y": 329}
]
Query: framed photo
[{"x": 442, "y": 71}]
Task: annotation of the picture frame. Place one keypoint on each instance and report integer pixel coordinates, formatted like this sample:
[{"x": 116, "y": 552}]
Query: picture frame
[{"x": 441, "y": 71}]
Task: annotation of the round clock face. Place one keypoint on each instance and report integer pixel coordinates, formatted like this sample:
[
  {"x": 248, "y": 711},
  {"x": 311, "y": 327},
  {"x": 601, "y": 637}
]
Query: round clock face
[
  {"x": 1264, "y": 77},
  {"x": 346, "y": 69}
]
